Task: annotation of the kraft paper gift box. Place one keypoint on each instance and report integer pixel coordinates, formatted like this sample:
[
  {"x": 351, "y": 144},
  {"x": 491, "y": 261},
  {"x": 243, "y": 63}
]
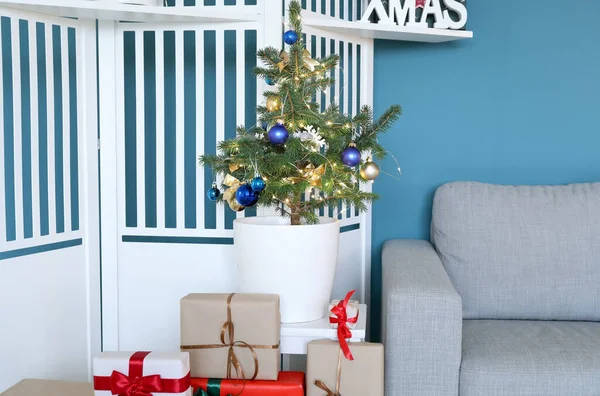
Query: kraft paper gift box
[
  {"x": 289, "y": 383},
  {"x": 359, "y": 377},
  {"x": 220, "y": 331},
  {"x": 154, "y": 373},
  {"x": 34, "y": 387}
]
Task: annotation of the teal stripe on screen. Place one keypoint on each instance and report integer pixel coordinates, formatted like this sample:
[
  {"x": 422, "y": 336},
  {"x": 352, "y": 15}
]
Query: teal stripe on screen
[
  {"x": 150, "y": 127},
  {"x": 9, "y": 157},
  {"x": 250, "y": 88},
  {"x": 189, "y": 100},
  {"x": 230, "y": 102},
  {"x": 341, "y": 85},
  {"x": 42, "y": 128},
  {"x": 40, "y": 249},
  {"x": 350, "y": 88},
  {"x": 58, "y": 130},
  {"x": 25, "y": 128},
  {"x": 170, "y": 132},
  {"x": 358, "y": 74},
  {"x": 333, "y": 91},
  {"x": 209, "y": 2},
  {"x": 73, "y": 155},
  {"x": 129, "y": 89},
  {"x": 174, "y": 239},
  {"x": 349, "y": 228},
  {"x": 322, "y": 55},
  {"x": 313, "y": 51},
  {"x": 210, "y": 121}
]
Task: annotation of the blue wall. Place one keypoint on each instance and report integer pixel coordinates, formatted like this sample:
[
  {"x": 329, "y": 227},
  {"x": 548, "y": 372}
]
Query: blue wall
[{"x": 517, "y": 104}]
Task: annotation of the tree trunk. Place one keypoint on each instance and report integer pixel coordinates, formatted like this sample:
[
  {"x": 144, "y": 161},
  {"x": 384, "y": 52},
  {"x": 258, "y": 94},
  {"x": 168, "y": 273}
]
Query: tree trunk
[
  {"x": 296, "y": 209},
  {"x": 295, "y": 218}
]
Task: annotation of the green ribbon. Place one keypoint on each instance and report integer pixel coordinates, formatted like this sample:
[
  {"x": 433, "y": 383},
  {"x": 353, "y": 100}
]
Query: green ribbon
[{"x": 213, "y": 388}]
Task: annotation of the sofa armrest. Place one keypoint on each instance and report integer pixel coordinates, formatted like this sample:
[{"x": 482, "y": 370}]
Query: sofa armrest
[{"x": 422, "y": 321}]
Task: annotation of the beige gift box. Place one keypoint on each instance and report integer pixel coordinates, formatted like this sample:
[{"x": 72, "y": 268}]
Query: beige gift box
[
  {"x": 214, "y": 324},
  {"x": 31, "y": 387},
  {"x": 359, "y": 377}
]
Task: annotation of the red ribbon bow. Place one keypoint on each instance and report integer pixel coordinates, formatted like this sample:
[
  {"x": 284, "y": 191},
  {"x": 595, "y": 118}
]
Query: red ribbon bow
[
  {"x": 136, "y": 384},
  {"x": 343, "y": 332}
]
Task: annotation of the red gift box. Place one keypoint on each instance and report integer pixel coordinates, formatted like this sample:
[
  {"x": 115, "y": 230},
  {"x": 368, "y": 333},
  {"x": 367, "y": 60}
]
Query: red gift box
[{"x": 289, "y": 383}]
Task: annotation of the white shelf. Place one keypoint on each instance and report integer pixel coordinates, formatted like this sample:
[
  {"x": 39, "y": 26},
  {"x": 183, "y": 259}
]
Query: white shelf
[
  {"x": 386, "y": 32},
  {"x": 134, "y": 13}
]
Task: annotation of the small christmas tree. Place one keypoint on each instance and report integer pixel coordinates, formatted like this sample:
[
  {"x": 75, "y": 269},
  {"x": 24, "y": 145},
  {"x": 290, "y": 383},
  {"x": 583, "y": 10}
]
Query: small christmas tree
[{"x": 297, "y": 148}]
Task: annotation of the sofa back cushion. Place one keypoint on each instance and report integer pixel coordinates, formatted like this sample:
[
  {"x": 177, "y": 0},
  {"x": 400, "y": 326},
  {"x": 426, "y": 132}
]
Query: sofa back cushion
[{"x": 521, "y": 252}]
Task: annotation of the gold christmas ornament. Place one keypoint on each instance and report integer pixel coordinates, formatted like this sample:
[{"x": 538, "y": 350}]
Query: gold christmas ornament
[
  {"x": 229, "y": 194},
  {"x": 369, "y": 170},
  {"x": 272, "y": 104}
]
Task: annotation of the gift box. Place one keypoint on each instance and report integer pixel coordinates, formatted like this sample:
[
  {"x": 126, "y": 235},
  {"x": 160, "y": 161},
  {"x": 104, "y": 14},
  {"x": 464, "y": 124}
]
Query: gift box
[
  {"x": 29, "y": 387},
  {"x": 344, "y": 310},
  {"x": 289, "y": 383},
  {"x": 233, "y": 336},
  {"x": 142, "y": 373},
  {"x": 329, "y": 372}
]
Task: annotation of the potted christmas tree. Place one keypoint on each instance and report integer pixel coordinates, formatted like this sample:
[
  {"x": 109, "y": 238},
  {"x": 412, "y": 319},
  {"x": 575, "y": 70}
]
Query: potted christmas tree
[{"x": 297, "y": 160}]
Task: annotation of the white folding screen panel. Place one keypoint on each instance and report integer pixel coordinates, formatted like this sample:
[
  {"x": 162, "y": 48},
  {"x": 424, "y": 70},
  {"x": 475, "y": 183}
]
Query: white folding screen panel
[
  {"x": 169, "y": 93},
  {"x": 49, "y": 255}
]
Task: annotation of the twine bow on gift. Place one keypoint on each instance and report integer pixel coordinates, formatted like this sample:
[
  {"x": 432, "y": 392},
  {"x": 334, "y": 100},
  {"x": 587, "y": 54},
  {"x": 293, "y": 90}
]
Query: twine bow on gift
[
  {"x": 229, "y": 194},
  {"x": 136, "y": 384},
  {"x": 342, "y": 320},
  {"x": 338, "y": 378},
  {"x": 227, "y": 339}
]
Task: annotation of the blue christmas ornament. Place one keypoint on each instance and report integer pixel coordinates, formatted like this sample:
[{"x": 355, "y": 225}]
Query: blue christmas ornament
[
  {"x": 246, "y": 196},
  {"x": 264, "y": 125},
  {"x": 351, "y": 155},
  {"x": 258, "y": 184},
  {"x": 213, "y": 192},
  {"x": 278, "y": 134},
  {"x": 290, "y": 37},
  {"x": 270, "y": 81}
]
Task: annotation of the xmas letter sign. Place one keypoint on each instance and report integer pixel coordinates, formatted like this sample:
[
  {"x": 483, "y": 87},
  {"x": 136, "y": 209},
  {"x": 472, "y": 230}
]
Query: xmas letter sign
[{"x": 416, "y": 12}]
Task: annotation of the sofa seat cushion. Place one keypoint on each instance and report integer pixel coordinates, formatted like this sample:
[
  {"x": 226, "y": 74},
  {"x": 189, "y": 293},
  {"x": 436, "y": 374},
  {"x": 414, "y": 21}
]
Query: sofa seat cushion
[{"x": 530, "y": 358}]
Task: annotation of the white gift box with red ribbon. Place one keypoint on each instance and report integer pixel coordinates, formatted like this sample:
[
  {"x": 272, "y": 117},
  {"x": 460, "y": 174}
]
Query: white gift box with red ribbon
[
  {"x": 351, "y": 312},
  {"x": 142, "y": 374}
]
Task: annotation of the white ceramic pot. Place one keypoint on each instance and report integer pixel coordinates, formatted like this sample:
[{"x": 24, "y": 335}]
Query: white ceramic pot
[{"x": 297, "y": 262}]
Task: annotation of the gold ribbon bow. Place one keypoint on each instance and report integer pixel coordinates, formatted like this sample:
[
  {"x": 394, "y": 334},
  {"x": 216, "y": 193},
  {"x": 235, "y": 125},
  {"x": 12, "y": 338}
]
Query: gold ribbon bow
[
  {"x": 233, "y": 362},
  {"x": 229, "y": 194},
  {"x": 310, "y": 173},
  {"x": 338, "y": 378},
  {"x": 307, "y": 60}
]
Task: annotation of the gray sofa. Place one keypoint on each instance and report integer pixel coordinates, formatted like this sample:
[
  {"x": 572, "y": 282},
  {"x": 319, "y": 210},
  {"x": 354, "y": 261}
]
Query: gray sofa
[{"x": 504, "y": 300}]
